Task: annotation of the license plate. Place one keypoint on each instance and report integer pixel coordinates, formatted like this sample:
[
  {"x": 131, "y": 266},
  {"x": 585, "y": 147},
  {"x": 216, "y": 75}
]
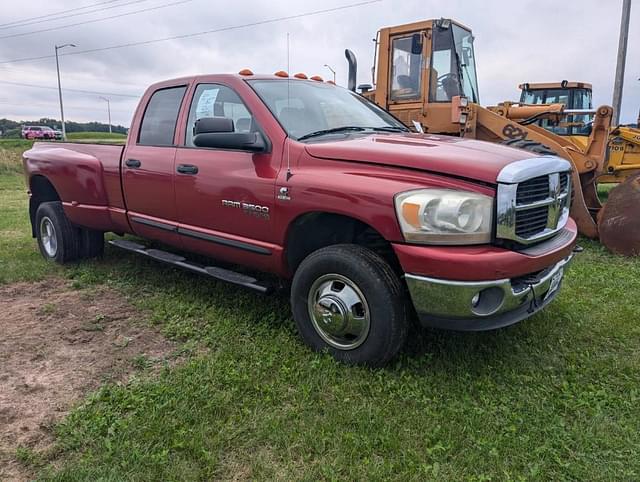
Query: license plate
[{"x": 555, "y": 283}]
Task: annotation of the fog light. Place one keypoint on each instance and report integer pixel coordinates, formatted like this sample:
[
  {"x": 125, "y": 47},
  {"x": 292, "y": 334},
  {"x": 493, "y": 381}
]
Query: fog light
[{"x": 487, "y": 301}]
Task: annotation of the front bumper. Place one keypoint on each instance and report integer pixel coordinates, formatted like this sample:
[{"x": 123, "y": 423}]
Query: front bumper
[{"x": 451, "y": 305}]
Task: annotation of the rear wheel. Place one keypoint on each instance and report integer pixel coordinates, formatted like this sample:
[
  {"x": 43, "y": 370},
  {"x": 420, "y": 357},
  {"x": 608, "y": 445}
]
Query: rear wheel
[
  {"x": 58, "y": 239},
  {"x": 91, "y": 243},
  {"x": 347, "y": 300}
]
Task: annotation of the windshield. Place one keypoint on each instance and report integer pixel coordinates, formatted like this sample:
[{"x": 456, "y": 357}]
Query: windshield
[
  {"x": 307, "y": 107},
  {"x": 453, "y": 65},
  {"x": 572, "y": 98}
]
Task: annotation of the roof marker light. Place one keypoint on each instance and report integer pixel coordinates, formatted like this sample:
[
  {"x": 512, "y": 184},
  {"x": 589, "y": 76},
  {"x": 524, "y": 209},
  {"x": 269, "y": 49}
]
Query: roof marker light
[
  {"x": 245, "y": 72},
  {"x": 301, "y": 75},
  {"x": 317, "y": 78},
  {"x": 281, "y": 73}
]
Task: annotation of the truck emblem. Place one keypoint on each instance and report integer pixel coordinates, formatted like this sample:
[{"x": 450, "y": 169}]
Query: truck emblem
[
  {"x": 248, "y": 208},
  {"x": 283, "y": 194}
]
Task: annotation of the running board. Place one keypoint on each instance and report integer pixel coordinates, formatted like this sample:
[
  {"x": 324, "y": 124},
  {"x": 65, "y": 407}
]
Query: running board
[{"x": 220, "y": 274}]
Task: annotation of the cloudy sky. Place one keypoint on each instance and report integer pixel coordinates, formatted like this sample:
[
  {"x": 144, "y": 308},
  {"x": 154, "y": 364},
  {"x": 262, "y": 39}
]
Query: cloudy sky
[{"x": 541, "y": 40}]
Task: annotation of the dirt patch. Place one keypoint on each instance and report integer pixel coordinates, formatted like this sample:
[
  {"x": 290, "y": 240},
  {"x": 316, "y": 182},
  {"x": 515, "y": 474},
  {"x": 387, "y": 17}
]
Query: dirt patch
[{"x": 56, "y": 344}]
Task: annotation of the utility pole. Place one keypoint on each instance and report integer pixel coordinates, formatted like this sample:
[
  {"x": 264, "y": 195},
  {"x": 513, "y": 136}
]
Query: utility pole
[
  {"x": 332, "y": 71},
  {"x": 622, "y": 57},
  {"x": 58, "y": 47},
  {"x": 108, "y": 111}
]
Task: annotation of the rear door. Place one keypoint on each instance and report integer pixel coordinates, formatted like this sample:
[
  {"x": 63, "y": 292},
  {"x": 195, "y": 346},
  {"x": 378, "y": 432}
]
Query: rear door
[{"x": 148, "y": 170}]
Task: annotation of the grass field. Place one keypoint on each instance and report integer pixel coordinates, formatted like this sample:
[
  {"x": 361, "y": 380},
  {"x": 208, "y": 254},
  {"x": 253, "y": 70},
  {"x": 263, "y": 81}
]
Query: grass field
[{"x": 554, "y": 398}]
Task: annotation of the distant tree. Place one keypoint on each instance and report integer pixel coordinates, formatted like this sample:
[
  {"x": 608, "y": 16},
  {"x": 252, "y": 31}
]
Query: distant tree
[{"x": 8, "y": 125}]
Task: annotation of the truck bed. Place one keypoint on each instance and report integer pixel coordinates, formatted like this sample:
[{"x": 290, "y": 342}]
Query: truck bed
[{"x": 86, "y": 178}]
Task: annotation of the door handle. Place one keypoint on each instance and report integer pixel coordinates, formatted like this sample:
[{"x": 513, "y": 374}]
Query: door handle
[
  {"x": 187, "y": 169},
  {"x": 133, "y": 163}
]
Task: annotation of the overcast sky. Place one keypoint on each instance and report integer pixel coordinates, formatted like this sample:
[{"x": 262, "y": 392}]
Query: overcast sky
[{"x": 516, "y": 41}]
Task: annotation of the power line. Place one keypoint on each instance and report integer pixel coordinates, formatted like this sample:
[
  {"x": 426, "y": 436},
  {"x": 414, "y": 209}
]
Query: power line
[
  {"x": 21, "y": 34},
  {"x": 196, "y": 34},
  {"x": 58, "y": 13},
  {"x": 49, "y": 18},
  {"x": 19, "y": 84},
  {"x": 55, "y": 106},
  {"x": 74, "y": 77}
]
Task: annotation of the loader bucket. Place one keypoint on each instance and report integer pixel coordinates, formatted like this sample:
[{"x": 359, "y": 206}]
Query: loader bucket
[{"x": 619, "y": 219}]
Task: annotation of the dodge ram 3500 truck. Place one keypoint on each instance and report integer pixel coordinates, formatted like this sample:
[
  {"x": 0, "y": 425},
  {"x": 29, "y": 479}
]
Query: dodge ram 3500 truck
[{"x": 373, "y": 224}]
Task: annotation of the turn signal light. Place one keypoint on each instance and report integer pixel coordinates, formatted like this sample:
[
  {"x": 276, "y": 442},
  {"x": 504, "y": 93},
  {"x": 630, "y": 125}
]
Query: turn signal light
[{"x": 281, "y": 73}]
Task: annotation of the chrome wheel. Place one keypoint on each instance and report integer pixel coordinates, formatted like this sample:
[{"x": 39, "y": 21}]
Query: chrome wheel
[
  {"x": 339, "y": 311},
  {"x": 48, "y": 237}
]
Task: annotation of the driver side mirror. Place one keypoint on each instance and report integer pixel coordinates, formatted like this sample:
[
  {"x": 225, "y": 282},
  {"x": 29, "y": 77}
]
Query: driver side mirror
[
  {"x": 416, "y": 44},
  {"x": 218, "y": 133}
]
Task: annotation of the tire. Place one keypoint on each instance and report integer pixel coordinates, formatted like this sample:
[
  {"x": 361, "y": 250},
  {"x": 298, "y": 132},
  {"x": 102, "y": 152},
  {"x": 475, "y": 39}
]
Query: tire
[
  {"x": 91, "y": 243},
  {"x": 340, "y": 282},
  {"x": 531, "y": 146},
  {"x": 58, "y": 239}
]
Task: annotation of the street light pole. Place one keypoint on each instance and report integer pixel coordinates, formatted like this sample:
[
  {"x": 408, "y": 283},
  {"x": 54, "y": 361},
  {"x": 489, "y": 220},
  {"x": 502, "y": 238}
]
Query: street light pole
[
  {"x": 622, "y": 57},
  {"x": 108, "y": 111},
  {"x": 58, "y": 47},
  {"x": 332, "y": 71}
]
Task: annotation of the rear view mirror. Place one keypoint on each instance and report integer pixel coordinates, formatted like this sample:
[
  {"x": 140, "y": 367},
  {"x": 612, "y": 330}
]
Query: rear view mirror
[
  {"x": 416, "y": 44},
  {"x": 218, "y": 133}
]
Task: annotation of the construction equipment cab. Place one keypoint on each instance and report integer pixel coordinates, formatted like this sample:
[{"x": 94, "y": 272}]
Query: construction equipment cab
[{"x": 422, "y": 67}]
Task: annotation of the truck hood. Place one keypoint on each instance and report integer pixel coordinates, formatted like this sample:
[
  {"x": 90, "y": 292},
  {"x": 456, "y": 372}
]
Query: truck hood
[{"x": 467, "y": 158}]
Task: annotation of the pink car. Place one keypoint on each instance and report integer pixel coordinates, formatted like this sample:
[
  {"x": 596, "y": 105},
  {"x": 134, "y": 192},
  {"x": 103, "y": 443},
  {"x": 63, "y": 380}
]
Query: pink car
[{"x": 40, "y": 132}]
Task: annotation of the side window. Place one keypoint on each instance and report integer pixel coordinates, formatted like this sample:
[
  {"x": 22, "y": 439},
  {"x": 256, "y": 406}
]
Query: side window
[
  {"x": 160, "y": 118},
  {"x": 215, "y": 100},
  {"x": 405, "y": 70}
]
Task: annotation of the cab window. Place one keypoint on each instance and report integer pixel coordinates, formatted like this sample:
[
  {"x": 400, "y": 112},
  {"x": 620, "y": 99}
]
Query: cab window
[
  {"x": 160, "y": 117},
  {"x": 215, "y": 100},
  {"x": 406, "y": 70}
]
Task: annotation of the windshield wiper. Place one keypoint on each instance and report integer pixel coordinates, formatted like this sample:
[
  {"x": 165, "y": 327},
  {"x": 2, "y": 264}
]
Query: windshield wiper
[
  {"x": 331, "y": 131},
  {"x": 390, "y": 129}
]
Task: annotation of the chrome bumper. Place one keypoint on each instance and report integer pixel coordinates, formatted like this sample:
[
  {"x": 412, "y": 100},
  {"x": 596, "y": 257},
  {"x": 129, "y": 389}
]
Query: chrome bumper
[{"x": 483, "y": 305}]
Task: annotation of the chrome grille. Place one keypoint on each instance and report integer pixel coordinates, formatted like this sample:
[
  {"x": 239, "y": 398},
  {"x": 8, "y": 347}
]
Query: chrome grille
[
  {"x": 531, "y": 221},
  {"x": 533, "y": 199},
  {"x": 535, "y": 189}
]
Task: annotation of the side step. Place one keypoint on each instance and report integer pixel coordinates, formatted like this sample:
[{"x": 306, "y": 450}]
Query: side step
[{"x": 220, "y": 274}]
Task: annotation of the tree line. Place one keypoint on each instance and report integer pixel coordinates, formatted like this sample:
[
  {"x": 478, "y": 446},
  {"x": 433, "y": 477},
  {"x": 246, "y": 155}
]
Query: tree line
[{"x": 10, "y": 128}]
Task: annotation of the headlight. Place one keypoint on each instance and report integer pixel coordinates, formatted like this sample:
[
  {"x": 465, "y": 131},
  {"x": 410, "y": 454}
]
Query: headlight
[{"x": 445, "y": 216}]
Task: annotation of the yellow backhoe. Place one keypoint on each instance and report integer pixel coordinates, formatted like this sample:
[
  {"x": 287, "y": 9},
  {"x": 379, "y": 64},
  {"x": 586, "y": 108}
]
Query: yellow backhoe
[{"x": 425, "y": 74}]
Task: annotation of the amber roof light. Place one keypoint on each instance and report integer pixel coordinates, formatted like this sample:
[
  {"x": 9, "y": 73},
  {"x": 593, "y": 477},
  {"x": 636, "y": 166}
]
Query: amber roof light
[
  {"x": 301, "y": 75},
  {"x": 317, "y": 78},
  {"x": 245, "y": 72},
  {"x": 281, "y": 73}
]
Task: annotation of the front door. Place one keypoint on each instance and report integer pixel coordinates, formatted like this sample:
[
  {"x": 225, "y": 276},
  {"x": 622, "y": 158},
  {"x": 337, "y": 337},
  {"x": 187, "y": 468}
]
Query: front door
[
  {"x": 225, "y": 197},
  {"x": 148, "y": 169}
]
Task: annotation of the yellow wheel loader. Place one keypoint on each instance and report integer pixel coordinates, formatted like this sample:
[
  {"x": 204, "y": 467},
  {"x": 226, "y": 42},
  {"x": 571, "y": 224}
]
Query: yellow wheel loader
[
  {"x": 623, "y": 158},
  {"x": 622, "y": 161},
  {"x": 425, "y": 74}
]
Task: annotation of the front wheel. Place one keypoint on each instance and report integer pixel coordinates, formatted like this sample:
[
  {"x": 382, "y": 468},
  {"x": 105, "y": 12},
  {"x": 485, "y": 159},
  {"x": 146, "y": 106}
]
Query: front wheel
[{"x": 347, "y": 300}]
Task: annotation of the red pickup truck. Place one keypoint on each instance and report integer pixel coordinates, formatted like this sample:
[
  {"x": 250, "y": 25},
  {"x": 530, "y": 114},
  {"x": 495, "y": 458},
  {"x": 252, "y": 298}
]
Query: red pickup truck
[{"x": 299, "y": 177}]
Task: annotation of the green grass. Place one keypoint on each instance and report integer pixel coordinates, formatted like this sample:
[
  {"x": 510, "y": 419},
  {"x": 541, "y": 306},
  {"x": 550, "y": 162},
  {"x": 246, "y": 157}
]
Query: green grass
[
  {"x": 96, "y": 137},
  {"x": 555, "y": 397}
]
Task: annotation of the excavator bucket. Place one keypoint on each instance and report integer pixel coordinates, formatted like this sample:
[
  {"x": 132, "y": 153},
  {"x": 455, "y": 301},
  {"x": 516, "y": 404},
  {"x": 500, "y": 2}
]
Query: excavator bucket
[{"x": 619, "y": 219}]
